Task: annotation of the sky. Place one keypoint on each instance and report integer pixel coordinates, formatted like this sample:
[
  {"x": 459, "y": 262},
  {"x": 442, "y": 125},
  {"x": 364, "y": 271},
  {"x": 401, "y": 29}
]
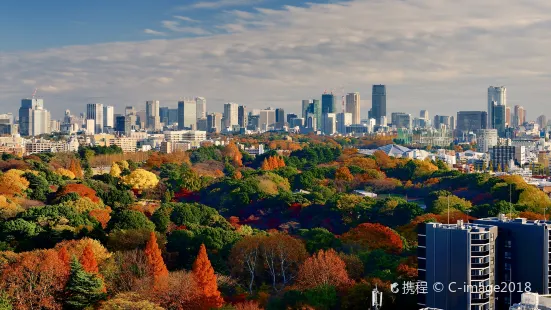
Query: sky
[{"x": 439, "y": 55}]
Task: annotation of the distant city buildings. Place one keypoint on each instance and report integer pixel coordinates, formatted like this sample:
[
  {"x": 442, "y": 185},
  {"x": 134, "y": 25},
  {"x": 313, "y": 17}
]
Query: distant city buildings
[
  {"x": 187, "y": 114},
  {"x": 353, "y": 106},
  {"x": 497, "y": 95},
  {"x": 378, "y": 101},
  {"x": 94, "y": 111},
  {"x": 201, "y": 107},
  {"x": 153, "y": 117},
  {"x": 34, "y": 120},
  {"x": 231, "y": 114}
]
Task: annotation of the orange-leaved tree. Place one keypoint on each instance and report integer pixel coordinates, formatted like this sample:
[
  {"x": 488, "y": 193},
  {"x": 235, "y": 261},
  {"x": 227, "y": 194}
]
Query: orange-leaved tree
[
  {"x": 234, "y": 154},
  {"x": 155, "y": 263},
  {"x": 323, "y": 268},
  {"x": 88, "y": 260},
  {"x": 374, "y": 236},
  {"x": 209, "y": 295},
  {"x": 343, "y": 174},
  {"x": 65, "y": 259},
  {"x": 272, "y": 162}
]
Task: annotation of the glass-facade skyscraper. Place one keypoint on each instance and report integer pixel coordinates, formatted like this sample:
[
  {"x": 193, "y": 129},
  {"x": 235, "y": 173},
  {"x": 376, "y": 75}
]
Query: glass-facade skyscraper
[
  {"x": 187, "y": 115},
  {"x": 328, "y": 104},
  {"x": 378, "y": 100}
]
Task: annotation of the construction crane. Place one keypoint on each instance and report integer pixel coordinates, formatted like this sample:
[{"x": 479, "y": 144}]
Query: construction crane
[{"x": 34, "y": 93}]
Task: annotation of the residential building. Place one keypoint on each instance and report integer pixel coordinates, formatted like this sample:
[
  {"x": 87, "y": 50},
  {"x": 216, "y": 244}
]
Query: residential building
[
  {"x": 94, "y": 111},
  {"x": 344, "y": 120},
  {"x": 109, "y": 117},
  {"x": 166, "y": 147},
  {"x": 457, "y": 256},
  {"x": 201, "y": 103},
  {"x": 496, "y": 96},
  {"x": 533, "y": 301},
  {"x": 501, "y": 156},
  {"x": 231, "y": 114},
  {"x": 46, "y": 146},
  {"x": 34, "y": 120},
  {"x": 185, "y": 135},
  {"x": 522, "y": 249},
  {"x": 128, "y": 145},
  {"x": 242, "y": 116},
  {"x": 187, "y": 114},
  {"x": 328, "y": 103},
  {"x": 486, "y": 139},
  {"x": 401, "y": 120},
  {"x": 353, "y": 106},
  {"x": 471, "y": 121},
  {"x": 153, "y": 117},
  {"x": 378, "y": 101}
]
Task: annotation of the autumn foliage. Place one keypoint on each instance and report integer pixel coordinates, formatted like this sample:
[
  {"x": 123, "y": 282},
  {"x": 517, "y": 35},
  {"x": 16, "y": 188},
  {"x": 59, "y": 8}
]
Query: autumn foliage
[
  {"x": 88, "y": 260},
  {"x": 323, "y": 268},
  {"x": 206, "y": 281},
  {"x": 13, "y": 183},
  {"x": 80, "y": 189},
  {"x": 234, "y": 154},
  {"x": 374, "y": 236},
  {"x": 155, "y": 263},
  {"x": 272, "y": 162}
]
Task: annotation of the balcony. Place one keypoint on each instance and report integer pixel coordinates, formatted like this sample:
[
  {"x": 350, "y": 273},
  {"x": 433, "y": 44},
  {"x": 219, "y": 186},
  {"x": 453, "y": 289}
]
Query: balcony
[
  {"x": 480, "y": 241},
  {"x": 480, "y": 265},
  {"x": 480, "y": 301},
  {"x": 479, "y": 277},
  {"x": 481, "y": 253}
]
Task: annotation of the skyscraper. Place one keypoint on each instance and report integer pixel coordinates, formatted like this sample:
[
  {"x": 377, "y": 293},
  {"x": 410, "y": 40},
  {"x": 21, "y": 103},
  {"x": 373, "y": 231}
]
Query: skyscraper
[
  {"x": 94, "y": 111},
  {"x": 163, "y": 115},
  {"x": 508, "y": 119},
  {"x": 280, "y": 118},
  {"x": 34, "y": 120},
  {"x": 231, "y": 114},
  {"x": 328, "y": 103},
  {"x": 242, "y": 116},
  {"x": 497, "y": 94},
  {"x": 401, "y": 120},
  {"x": 314, "y": 109},
  {"x": 267, "y": 119},
  {"x": 343, "y": 120},
  {"x": 201, "y": 107},
  {"x": 214, "y": 122},
  {"x": 152, "y": 115},
  {"x": 519, "y": 118},
  {"x": 424, "y": 114},
  {"x": 109, "y": 116},
  {"x": 499, "y": 119},
  {"x": 187, "y": 114},
  {"x": 353, "y": 106},
  {"x": 471, "y": 121},
  {"x": 378, "y": 102},
  {"x": 305, "y": 105},
  {"x": 542, "y": 121}
]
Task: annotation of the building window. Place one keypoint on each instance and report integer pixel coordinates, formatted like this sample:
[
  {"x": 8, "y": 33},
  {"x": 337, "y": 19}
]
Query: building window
[{"x": 508, "y": 243}]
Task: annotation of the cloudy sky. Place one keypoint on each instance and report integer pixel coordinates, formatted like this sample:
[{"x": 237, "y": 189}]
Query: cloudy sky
[{"x": 439, "y": 55}]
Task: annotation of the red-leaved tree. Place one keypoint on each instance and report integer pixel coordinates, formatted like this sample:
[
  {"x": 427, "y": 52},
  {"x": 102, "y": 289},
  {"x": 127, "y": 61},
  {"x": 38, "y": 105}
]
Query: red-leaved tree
[
  {"x": 155, "y": 263},
  {"x": 209, "y": 295},
  {"x": 323, "y": 268},
  {"x": 374, "y": 236}
]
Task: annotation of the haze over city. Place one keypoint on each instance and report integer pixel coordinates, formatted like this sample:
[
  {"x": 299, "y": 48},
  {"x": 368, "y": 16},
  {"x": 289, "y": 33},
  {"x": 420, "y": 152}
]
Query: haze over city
[{"x": 433, "y": 55}]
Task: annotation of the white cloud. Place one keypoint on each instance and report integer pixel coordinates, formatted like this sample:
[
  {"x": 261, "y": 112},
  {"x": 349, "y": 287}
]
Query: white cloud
[
  {"x": 223, "y": 3},
  {"x": 176, "y": 27},
  {"x": 154, "y": 32},
  {"x": 432, "y": 54},
  {"x": 186, "y": 19}
]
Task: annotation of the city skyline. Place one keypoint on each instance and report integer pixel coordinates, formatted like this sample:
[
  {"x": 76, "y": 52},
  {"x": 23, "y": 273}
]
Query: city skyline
[{"x": 239, "y": 64}]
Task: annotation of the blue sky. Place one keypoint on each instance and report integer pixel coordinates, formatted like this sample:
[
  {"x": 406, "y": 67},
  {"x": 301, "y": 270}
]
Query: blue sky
[
  {"x": 39, "y": 24},
  {"x": 439, "y": 55}
]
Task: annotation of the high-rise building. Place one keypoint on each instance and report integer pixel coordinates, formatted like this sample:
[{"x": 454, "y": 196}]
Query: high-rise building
[
  {"x": 280, "y": 118},
  {"x": 201, "y": 107},
  {"x": 214, "y": 122},
  {"x": 152, "y": 115},
  {"x": 499, "y": 96},
  {"x": 231, "y": 114},
  {"x": 94, "y": 111},
  {"x": 187, "y": 115},
  {"x": 542, "y": 121},
  {"x": 401, "y": 120},
  {"x": 519, "y": 117},
  {"x": 499, "y": 119},
  {"x": 242, "y": 116},
  {"x": 486, "y": 139},
  {"x": 329, "y": 123},
  {"x": 353, "y": 104},
  {"x": 442, "y": 121},
  {"x": 328, "y": 103},
  {"x": 378, "y": 102},
  {"x": 290, "y": 117},
  {"x": 109, "y": 116},
  {"x": 314, "y": 109},
  {"x": 502, "y": 156},
  {"x": 172, "y": 116},
  {"x": 34, "y": 120},
  {"x": 523, "y": 251},
  {"x": 471, "y": 121},
  {"x": 267, "y": 119},
  {"x": 164, "y": 115},
  {"x": 202, "y": 124},
  {"x": 424, "y": 114},
  {"x": 344, "y": 120},
  {"x": 305, "y": 105},
  {"x": 508, "y": 119}
]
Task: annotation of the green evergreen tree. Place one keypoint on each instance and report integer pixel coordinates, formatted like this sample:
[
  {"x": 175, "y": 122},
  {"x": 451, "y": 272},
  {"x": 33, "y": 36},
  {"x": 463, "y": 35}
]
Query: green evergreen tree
[{"x": 83, "y": 289}]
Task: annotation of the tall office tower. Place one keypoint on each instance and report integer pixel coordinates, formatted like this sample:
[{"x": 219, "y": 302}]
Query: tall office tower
[
  {"x": 453, "y": 256},
  {"x": 153, "y": 119},
  {"x": 344, "y": 120},
  {"x": 519, "y": 118},
  {"x": 471, "y": 121},
  {"x": 378, "y": 102},
  {"x": 109, "y": 116},
  {"x": 508, "y": 118},
  {"x": 290, "y": 117},
  {"x": 314, "y": 108},
  {"x": 499, "y": 119},
  {"x": 129, "y": 110},
  {"x": 542, "y": 121},
  {"x": 280, "y": 118},
  {"x": 328, "y": 103},
  {"x": 523, "y": 249},
  {"x": 305, "y": 104},
  {"x": 231, "y": 114},
  {"x": 442, "y": 121},
  {"x": 329, "y": 123},
  {"x": 353, "y": 104},
  {"x": 267, "y": 119},
  {"x": 163, "y": 115},
  {"x": 187, "y": 115},
  {"x": 120, "y": 123},
  {"x": 6, "y": 124},
  {"x": 172, "y": 116},
  {"x": 486, "y": 139},
  {"x": 94, "y": 111},
  {"x": 202, "y": 124},
  {"x": 499, "y": 96},
  {"x": 141, "y": 118},
  {"x": 424, "y": 114},
  {"x": 214, "y": 122},
  {"x": 242, "y": 116},
  {"x": 401, "y": 120},
  {"x": 201, "y": 107},
  {"x": 34, "y": 120}
]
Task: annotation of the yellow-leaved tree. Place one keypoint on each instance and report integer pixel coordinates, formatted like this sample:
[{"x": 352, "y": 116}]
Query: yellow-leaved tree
[
  {"x": 141, "y": 179},
  {"x": 13, "y": 182},
  {"x": 115, "y": 170},
  {"x": 65, "y": 173}
]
